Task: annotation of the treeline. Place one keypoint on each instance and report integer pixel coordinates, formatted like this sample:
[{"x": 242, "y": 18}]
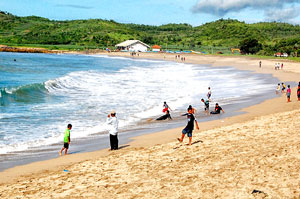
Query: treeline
[{"x": 259, "y": 38}]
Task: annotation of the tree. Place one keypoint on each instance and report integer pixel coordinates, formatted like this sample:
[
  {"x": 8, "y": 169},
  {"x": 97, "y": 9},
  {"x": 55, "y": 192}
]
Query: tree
[{"x": 250, "y": 46}]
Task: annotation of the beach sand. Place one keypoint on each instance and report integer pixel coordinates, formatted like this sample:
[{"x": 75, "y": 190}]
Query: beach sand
[{"x": 253, "y": 152}]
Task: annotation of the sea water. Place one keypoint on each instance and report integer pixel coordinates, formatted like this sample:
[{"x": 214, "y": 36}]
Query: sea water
[{"x": 41, "y": 93}]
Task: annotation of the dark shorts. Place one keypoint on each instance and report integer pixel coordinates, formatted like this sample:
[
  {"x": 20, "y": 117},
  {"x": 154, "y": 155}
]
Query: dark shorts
[
  {"x": 187, "y": 131},
  {"x": 66, "y": 145},
  {"x": 206, "y": 107}
]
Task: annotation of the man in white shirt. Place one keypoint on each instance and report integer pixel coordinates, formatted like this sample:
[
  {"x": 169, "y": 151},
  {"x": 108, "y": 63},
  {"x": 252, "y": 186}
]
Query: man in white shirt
[{"x": 112, "y": 122}]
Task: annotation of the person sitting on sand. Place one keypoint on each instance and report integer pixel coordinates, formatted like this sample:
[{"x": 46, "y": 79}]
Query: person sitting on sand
[
  {"x": 67, "y": 140},
  {"x": 166, "y": 116},
  {"x": 218, "y": 109},
  {"x": 189, "y": 127}
]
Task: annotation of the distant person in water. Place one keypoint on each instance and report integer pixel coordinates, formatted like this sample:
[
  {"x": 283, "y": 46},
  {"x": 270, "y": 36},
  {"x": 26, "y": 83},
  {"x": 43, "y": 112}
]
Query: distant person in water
[
  {"x": 283, "y": 87},
  {"x": 218, "y": 109},
  {"x": 298, "y": 92},
  {"x": 206, "y": 104},
  {"x": 189, "y": 127},
  {"x": 67, "y": 140},
  {"x": 288, "y": 93},
  {"x": 278, "y": 88},
  {"x": 166, "y": 107},
  {"x": 208, "y": 93},
  {"x": 166, "y": 116}
]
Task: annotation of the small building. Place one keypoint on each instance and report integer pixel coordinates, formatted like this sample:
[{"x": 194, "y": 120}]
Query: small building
[
  {"x": 132, "y": 46},
  {"x": 156, "y": 48}
]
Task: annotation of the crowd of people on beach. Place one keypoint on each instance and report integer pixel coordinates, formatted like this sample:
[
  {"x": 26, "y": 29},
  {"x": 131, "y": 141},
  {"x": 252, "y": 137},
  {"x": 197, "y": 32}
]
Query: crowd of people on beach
[
  {"x": 112, "y": 120},
  {"x": 288, "y": 91},
  {"x": 278, "y": 66},
  {"x": 181, "y": 58}
]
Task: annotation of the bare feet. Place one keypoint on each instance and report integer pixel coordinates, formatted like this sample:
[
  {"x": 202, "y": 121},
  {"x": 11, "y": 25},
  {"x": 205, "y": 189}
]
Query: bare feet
[
  {"x": 179, "y": 139},
  {"x": 59, "y": 153}
]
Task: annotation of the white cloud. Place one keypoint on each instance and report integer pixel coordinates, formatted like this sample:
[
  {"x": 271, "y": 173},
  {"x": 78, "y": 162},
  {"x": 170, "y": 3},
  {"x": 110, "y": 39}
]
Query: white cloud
[
  {"x": 286, "y": 14},
  {"x": 279, "y": 10}
]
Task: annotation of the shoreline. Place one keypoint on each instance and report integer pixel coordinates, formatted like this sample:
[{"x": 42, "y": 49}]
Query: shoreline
[{"x": 267, "y": 107}]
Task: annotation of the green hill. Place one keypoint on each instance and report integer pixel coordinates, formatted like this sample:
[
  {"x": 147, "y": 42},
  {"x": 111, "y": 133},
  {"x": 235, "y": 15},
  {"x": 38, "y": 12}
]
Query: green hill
[{"x": 97, "y": 33}]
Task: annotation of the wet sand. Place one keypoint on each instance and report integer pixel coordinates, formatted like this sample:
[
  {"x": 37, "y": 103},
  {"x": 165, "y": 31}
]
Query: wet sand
[{"x": 229, "y": 158}]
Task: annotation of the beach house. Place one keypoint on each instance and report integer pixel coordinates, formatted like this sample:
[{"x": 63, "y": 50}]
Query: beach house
[
  {"x": 132, "y": 46},
  {"x": 156, "y": 48}
]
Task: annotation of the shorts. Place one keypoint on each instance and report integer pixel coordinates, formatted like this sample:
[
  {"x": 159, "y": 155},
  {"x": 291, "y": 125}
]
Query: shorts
[
  {"x": 288, "y": 95},
  {"x": 165, "y": 109},
  {"x": 206, "y": 108},
  {"x": 66, "y": 145},
  {"x": 187, "y": 131}
]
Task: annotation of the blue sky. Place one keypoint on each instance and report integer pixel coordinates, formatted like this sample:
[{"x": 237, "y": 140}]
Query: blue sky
[{"x": 157, "y": 12}]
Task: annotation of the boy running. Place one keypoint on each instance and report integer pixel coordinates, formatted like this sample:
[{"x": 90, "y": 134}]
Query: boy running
[
  {"x": 67, "y": 140},
  {"x": 189, "y": 127}
]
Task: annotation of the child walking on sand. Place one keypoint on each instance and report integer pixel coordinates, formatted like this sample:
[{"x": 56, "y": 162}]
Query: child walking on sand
[
  {"x": 189, "y": 127},
  {"x": 288, "y": 94},
  {"x": 67, "y": 140}
]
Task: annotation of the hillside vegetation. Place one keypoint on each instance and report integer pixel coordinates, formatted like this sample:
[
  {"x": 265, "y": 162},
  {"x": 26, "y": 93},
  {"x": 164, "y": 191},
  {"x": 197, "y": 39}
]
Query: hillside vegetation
[{"x": 96, "y": 33}]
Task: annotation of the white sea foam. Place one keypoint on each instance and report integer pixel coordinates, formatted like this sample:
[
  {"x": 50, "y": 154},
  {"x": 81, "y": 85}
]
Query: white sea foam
[{"x": 84, "y": 98}]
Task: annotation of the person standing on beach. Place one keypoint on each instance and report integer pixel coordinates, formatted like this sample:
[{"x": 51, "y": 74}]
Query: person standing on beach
[
  {"x": 113, "y": 123},
  {"x": 288, "y": 93},
  {"x": 298, "y": 92},
  {"x": 283, "y": 87},
  {"x": 259, "y": 64},
  {"x": 67, "y": 140},
  {"x": 218, "y": 109},
  {"x": 281, "y": 66},
  {"x": 189, "y": 127},
  {"x": 209, "y": 94}
]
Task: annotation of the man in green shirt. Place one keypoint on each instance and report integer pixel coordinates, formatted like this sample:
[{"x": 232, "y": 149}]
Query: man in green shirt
[{"x": 67, "y": 140}]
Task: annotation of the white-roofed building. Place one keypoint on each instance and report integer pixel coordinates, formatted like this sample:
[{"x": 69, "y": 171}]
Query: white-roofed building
[{"x": 133, "y": 46}]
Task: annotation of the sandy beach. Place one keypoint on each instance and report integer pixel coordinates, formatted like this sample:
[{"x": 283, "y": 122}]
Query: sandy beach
[{"x": 252, "y": 155}]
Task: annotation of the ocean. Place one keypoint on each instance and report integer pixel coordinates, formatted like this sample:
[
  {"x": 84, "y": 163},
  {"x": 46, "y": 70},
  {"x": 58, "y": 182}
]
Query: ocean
[{"x": 41, "y": 93}]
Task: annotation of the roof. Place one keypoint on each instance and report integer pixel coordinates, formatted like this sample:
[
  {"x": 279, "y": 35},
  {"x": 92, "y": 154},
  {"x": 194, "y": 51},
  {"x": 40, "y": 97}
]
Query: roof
[
  {"x": 130, "y": 42},
  {"x": 156, "y": 47}
]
